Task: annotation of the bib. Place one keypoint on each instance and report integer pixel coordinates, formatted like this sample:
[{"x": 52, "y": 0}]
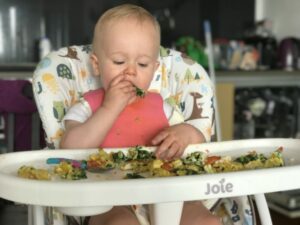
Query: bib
[{"x": 137, "y": 124}]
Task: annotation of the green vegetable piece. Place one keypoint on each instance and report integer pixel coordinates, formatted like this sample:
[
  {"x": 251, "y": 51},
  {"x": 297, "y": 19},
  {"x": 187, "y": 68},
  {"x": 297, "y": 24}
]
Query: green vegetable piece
[
  {"x": 133, "y": 176},
  {"x": 140, "y": 92},
  {"x": 119, "y": 157},
  {"x": 247, "y": 158},
  {"x": 79, "y": 174},
  {"x": 144, "y": 154},
  {"x": 195, "y": 158}
]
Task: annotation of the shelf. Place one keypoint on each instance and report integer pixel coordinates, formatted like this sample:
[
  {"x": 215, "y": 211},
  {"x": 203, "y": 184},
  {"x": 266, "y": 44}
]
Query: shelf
[{"x": 270, "y": 78}]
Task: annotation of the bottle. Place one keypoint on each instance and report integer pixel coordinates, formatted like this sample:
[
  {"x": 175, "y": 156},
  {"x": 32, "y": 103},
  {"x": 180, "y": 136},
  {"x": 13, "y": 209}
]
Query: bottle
[
  {"x": 44, "y": 47},
  {"x": 248, "y": 126},
  {"x": 289, "y": 61}
]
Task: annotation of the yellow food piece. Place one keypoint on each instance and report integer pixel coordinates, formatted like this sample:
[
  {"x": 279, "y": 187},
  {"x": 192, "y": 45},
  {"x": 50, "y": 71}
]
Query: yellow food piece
[
  {"x": 177, "y": 163},
  {"x": 227, "y": 166},
  {"x": 63, "y": 168},
  {"x": 30, "y": 172},
  {"x": 273, "y": 162},
  {"x": 155, "y": 164},
  {"x": 256, "y": 164},
  {"x": 161, "y": 173},
  {"x": 66, "y": 171}
]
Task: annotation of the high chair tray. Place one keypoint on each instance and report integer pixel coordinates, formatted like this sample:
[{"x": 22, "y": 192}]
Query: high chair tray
[{"x": 102, "y": 191}]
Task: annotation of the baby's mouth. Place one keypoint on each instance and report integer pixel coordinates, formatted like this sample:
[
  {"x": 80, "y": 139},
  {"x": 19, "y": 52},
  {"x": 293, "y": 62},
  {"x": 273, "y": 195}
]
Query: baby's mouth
[{"x": 140, "y": 92}]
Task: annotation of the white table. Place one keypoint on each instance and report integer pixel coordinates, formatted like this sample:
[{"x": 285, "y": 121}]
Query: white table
[{"x": 92, "y": 196}]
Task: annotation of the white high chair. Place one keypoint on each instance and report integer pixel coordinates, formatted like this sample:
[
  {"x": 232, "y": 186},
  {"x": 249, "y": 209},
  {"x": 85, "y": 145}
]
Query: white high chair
[{"x": 63, "y": 76}]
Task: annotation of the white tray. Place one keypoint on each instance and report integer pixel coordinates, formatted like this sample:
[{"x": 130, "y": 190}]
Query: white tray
[{"x": 96, "y": 192}]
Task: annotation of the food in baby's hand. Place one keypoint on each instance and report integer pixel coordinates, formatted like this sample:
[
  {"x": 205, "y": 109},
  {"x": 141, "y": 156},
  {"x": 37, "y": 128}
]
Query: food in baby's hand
[
  {"x": 30, "y": 172},
  {"x": 140, "y": 92}
]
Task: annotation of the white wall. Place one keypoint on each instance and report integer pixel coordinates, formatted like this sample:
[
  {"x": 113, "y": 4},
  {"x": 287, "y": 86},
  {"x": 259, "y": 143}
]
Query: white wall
[{"x": 284, "y": 14}]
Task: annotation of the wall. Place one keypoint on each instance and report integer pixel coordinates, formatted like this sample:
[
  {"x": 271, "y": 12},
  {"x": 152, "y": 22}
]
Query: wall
[
  {"x": 23, "y": 23},
  {"x": 71, "y": 22},
  {"x": 284, "y": 15}
]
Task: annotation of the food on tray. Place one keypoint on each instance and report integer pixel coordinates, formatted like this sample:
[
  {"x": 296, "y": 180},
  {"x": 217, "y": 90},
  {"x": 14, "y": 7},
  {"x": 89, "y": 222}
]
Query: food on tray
[
  {"x": 252, "y": 160},
  {"x": 140, "y": 163},
  {"x": 68, "y": 171},
  {"x": 76, "y": 163},
  {"x": 100, "y": 161},
  {"x": 30, "y": 172},
  {"x": 133, "y": 176}
]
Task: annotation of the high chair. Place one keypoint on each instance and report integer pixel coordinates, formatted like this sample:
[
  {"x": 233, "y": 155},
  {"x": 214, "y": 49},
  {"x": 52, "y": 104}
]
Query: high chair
[{"x": 63, "y": 76}]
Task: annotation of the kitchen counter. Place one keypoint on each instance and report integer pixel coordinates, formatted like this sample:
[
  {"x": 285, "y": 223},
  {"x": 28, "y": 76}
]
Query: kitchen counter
[
  {"x": 238, "y": 78},
  {"x": 17, "y": 71},
  {"x": 270, "y": 78}
]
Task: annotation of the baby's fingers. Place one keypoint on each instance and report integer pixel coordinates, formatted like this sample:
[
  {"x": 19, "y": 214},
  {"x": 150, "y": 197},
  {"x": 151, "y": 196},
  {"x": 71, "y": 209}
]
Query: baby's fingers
[
  {"x": 173, "y": 152},
  {"x": 162, "y": 149},
  {"x": 129, "y": 89},
  {"x": 159, "y": 137},
  {"x": 116, "y": 80}
]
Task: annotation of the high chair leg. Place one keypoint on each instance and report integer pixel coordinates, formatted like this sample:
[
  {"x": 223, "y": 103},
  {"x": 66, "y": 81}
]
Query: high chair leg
[
  {"x": 263, "y": 209},
  {"x": 166, "y": 213},
  {"x": 29, "y": 214},
  {"x": 38, "y": 215}
]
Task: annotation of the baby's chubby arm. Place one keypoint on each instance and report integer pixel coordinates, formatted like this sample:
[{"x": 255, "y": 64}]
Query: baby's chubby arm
[
  {"x": 92, "y": 132},
  {"x": 173, "y": 140}
]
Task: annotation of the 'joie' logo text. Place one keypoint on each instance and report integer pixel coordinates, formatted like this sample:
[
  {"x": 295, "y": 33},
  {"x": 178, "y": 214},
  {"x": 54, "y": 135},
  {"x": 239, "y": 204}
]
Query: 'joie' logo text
[{"x": 218, "y": 187}]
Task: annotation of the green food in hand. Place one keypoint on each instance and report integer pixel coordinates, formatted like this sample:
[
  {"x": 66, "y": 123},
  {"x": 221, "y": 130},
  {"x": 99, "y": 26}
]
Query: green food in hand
[{"x": 139, "y": 92}]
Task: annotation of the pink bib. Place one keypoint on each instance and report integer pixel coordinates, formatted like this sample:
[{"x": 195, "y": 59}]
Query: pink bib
[{"x": 137, "y": 124}]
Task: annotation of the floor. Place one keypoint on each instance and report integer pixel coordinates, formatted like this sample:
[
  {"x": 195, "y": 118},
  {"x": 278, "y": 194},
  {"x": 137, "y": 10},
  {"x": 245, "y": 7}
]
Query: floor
[
  {"x": 11, "y": 214},
  {"x": 279, "y": 219}
]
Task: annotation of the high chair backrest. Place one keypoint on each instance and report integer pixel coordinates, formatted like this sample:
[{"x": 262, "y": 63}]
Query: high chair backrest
[
  {"x": 58, "y": 82},
  {"x": 64, "y": 75}
]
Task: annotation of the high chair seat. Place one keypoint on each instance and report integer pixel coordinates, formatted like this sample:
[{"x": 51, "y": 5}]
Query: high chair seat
[{"x": 62, "y": 77}]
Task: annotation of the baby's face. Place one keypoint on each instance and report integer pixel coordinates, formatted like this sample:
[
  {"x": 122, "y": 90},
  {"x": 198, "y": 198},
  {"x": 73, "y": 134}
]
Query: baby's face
[{"x": 128, "y": 48}]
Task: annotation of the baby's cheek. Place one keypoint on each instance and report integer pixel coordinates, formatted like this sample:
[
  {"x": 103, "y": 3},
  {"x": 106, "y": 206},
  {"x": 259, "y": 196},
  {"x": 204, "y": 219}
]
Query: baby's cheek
[{"x": 145, "y": 84}]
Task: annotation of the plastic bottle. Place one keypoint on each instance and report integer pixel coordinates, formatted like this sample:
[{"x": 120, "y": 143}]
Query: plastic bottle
[
  {"x": 248, "y": 126},
  {"x": 289, "y": 61}
]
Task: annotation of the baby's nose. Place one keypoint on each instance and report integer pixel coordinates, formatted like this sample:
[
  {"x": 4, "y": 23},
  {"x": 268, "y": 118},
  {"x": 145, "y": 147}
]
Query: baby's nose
[{"x": 130, "y": 70}]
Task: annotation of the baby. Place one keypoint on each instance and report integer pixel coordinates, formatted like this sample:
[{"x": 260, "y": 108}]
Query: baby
[{"x": 126, "y": 47}]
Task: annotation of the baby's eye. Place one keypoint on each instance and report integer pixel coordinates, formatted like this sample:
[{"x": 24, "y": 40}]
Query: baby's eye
[
  {"x": 143, "y": 64},
  {"x": 118, "y": 62}
]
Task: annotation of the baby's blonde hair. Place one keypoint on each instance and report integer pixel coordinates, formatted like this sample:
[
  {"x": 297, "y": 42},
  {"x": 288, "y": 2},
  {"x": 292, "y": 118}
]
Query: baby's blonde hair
[{"x": 122, "y": 12}]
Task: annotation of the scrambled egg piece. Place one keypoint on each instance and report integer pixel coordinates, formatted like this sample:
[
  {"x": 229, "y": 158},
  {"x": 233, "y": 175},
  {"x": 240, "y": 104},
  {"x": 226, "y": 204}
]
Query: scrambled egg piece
[
  {"x": 30, "y": 172},
  {"x": 101, "y": 160},
  {"x": 66, "y": 171}
]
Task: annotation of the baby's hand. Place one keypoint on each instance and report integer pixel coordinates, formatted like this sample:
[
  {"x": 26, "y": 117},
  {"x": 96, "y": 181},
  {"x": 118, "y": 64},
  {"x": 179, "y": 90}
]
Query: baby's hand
[
  {"x": 119, "y": 94},
  {"x": 173, "y": 140}
]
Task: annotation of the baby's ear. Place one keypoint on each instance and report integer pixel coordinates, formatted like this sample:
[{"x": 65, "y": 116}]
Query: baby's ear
[{"x": 95, "y": 64}]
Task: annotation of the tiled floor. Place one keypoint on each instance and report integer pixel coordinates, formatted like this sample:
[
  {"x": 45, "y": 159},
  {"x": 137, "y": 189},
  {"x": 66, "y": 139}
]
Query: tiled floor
[{"x": 11, "y": 214}]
